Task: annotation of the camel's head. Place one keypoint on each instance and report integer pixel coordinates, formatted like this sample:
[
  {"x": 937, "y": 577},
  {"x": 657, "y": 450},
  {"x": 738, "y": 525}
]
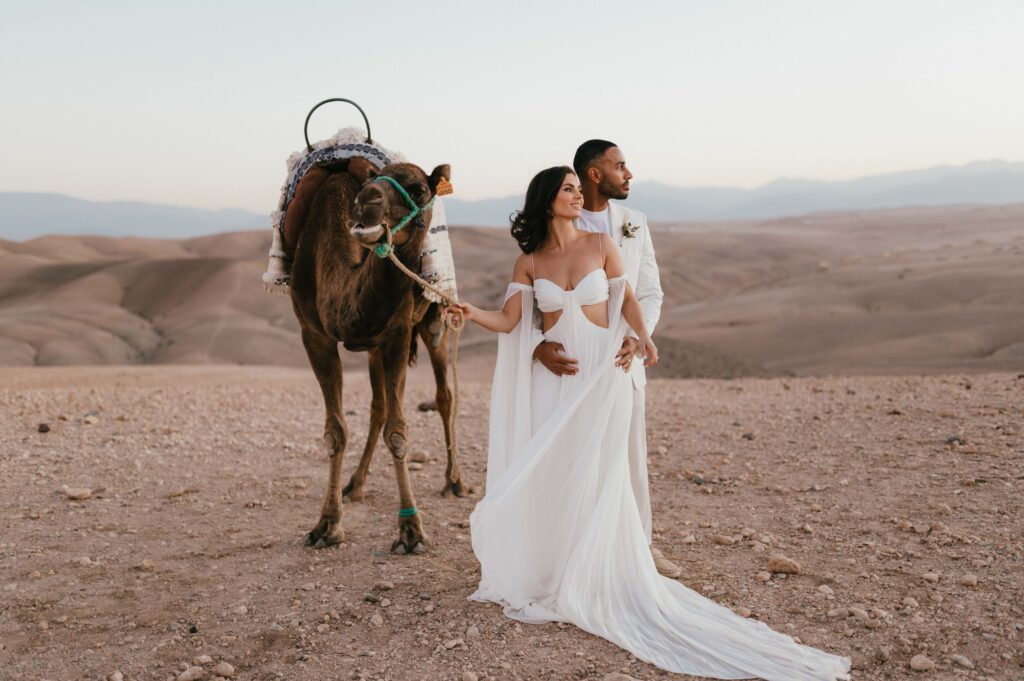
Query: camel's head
[{"x": 380, "y": 204}]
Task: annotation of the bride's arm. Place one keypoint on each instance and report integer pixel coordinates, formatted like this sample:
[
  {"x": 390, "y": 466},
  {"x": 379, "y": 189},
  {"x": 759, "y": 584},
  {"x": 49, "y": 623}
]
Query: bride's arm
[
  {"x": 505, "y": 319},
  {"x": 631, "y": 310}
]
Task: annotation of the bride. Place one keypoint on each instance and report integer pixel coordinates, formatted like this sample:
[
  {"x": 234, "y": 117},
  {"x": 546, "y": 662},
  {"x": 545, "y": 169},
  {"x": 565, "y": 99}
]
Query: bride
[{"x": 559, "y": 534}]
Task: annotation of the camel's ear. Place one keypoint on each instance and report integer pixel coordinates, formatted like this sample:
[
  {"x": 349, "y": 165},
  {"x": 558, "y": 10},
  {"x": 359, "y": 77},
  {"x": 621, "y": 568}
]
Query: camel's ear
[
  {"x": 361, "y": 169},
  {"x": 440, "y": 180}
]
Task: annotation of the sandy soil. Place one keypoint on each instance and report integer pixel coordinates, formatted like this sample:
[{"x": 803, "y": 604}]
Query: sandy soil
[{"x": 900, "y": 497}]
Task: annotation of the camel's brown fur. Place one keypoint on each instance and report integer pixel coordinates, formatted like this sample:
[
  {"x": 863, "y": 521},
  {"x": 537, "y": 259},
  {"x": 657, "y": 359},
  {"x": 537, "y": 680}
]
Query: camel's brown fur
[{"x": 342, "y": 292}]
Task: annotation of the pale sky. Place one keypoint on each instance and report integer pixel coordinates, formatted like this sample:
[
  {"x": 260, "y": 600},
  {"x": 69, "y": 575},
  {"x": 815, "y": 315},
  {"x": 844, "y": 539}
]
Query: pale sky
[{"x": 200, "y": 103}]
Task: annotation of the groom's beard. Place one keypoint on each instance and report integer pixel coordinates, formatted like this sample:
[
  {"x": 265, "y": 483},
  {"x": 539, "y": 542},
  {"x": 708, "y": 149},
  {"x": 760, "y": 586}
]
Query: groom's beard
[{"x": 612, "y": 191}]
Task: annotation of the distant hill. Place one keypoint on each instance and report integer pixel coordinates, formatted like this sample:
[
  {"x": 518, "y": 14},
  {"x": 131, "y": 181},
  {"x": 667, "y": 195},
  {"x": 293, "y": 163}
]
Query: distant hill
[
  {"x": 27, "y": 215},
  {"x": 982, "y": 182},
  {"x": 914, "y": 290}
]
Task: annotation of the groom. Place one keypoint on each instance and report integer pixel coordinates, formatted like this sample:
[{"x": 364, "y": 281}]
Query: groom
[{"x": 603, "y": 175}]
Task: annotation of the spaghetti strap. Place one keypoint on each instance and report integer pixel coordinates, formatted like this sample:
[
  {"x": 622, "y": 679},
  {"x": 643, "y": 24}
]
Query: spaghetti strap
[
  {"x": 533, "y": 261},
  {"x": 600, "y": 239}
]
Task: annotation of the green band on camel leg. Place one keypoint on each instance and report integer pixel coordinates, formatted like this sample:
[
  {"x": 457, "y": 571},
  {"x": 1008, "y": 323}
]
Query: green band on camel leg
[{"x": 406, "y": 512}]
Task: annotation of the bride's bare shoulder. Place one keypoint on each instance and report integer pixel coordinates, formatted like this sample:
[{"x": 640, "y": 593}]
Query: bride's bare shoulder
[{"x": 522, "y": 272}]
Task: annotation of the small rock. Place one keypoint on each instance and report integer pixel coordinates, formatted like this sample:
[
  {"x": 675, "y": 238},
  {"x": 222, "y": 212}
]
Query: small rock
[
  {"x": 963, "y": 661},
  {"x": 781, "y": 563},
  {"x": 384, "y": 586},
  {"x": 883, "y": 653},
  {"x": 323, "y": 628},
  {"x": 859, "y": 613},
  {"x": 689, "y": 539},
  {"x": 371, "y": 598},
  {"x": 45, "y": 428},
  {"x": 920, "y": 663},
  {"x": 744, "y": 612},
  {"x": 116, "y": 676},
  {"x": 308, "y": 586},
  {"x": 385, "y": 602},
  {"x": 202, "y": 660},
  {"x": 84, "y": 561},
  {"x": 931, "y": 577},
  {"x": 414, "y": 466},
  {"x": 77, "y": 493},
  {"x": 145, "y": 566},
  {"x": 241, "y": 610},
  {"x": 763, "y": 576},
  {"x": 969, "y": 580},
  {"x": 376, "y": 619},
  {"x": 910, "y": 602},
  {"x": 722, "y": 540},
  {"x": 662, "y": 450},
  {"x": 453, "y": 642},
  {"x": 224, "y": 669},
  {"x": 192, "y": 674},
  {"x": 469, "y": 676},
  {"x": 618, "y": 676},
  {"x": 748, "y": 436},
  {"x": 825, "y": 589},
  {"x": 90, "y": 419},
  {"x": 472, "y": 631},
  {"x": 419, "y": 456}
]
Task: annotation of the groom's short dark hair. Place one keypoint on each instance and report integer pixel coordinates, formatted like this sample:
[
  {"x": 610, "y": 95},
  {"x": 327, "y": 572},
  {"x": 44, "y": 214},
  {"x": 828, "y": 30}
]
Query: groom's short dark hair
[{"x": 587, "y": 153}]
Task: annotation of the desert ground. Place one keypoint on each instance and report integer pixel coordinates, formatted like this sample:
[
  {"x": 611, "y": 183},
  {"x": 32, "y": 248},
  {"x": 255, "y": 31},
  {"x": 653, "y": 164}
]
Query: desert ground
[
  {"x": 160, "y": 520},
  {"x": 846, "y": 390}
]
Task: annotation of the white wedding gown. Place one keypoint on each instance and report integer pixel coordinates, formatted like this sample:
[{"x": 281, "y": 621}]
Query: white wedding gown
[{"x": 559, "y": 534}]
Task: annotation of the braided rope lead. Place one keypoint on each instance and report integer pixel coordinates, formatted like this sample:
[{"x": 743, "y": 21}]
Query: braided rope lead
[{"x": 453, "y": 322}]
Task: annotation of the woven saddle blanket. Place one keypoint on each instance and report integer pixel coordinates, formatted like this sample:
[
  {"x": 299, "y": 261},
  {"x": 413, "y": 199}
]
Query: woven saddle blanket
[{"x": 436, "y": 263}]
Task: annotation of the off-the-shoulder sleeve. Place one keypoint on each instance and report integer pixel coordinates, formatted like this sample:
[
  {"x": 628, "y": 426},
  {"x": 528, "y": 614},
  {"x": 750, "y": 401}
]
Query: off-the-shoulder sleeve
[{"x": 510, "y": 426}]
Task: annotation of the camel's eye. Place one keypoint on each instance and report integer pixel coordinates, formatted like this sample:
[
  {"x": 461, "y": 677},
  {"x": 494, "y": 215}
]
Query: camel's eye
[{"x": 418, "y": 190}]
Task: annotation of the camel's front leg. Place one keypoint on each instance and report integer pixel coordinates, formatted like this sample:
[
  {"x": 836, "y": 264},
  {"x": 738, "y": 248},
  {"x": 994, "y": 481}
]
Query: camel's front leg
[
  {"x": 323, "y": 357},
  {"x": 437, "y": 347},
  {"x": 395, "y": 357},
  {"x": 355, "y": 490}
]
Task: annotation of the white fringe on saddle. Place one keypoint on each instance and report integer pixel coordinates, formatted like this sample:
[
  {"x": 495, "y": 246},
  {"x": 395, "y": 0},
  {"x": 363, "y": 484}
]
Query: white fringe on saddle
[{"x": 436, "y": 263}]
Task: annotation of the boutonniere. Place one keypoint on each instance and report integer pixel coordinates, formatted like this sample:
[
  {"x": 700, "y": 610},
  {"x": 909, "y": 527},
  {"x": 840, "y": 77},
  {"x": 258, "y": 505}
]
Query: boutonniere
[{"x": 629, "y": 230}]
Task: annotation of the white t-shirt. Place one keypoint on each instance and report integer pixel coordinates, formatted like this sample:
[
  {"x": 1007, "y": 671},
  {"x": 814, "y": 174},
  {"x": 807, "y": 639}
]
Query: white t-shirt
[{"x": 600, "y": 221}]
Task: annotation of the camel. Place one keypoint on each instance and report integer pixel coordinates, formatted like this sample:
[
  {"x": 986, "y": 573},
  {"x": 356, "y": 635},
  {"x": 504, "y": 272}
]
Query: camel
[{"x": 343, "y": 293}]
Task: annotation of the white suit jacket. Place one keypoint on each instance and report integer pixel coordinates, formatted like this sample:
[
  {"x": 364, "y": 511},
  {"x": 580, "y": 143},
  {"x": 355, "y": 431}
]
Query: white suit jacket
[{"x": 641, "y": 272}]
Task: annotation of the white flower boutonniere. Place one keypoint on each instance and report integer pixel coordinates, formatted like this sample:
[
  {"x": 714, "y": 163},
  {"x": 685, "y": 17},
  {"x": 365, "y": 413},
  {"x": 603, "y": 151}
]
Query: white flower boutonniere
[{"x": 629, "y": 230}]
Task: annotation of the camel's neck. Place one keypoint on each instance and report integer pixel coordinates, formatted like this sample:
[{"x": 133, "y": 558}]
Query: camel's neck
[{"x": 380, "y": 288}]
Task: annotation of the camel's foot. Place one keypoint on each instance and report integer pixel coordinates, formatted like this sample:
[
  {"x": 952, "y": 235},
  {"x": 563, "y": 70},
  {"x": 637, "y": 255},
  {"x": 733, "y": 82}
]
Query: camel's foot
[
  {"x": 411, "y": 538},
  {"x": 326, "y": 533},
  {"x": 354, "y": 490},
  {"x": 459, "y": 488}
]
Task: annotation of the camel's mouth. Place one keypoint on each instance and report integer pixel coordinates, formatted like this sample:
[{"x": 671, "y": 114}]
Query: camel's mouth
[{"x": 368, "y": 234}]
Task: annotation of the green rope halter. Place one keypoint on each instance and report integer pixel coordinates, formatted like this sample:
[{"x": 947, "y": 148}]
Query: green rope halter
[{"x": 384, "y": 247}]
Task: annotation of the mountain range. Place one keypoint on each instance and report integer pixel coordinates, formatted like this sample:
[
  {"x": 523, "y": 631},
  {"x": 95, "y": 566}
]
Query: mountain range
[
  {"x": 981, "y": 182},
  {"x": 27, "y": 215}
]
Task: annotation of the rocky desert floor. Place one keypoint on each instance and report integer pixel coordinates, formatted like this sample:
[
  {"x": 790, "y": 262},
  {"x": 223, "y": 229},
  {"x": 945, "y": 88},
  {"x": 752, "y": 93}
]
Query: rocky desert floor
[{"x": 154, "y": 532}]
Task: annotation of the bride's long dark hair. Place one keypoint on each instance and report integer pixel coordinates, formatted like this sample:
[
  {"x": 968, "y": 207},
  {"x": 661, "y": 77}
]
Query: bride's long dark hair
[{"x": 530, "y": 225}]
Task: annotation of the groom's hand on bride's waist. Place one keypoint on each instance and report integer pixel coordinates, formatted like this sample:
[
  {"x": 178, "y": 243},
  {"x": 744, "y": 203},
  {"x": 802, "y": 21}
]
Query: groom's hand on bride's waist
[
  {"x": 624, "y": 358},
  {"x": 552, "y": 356}
]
